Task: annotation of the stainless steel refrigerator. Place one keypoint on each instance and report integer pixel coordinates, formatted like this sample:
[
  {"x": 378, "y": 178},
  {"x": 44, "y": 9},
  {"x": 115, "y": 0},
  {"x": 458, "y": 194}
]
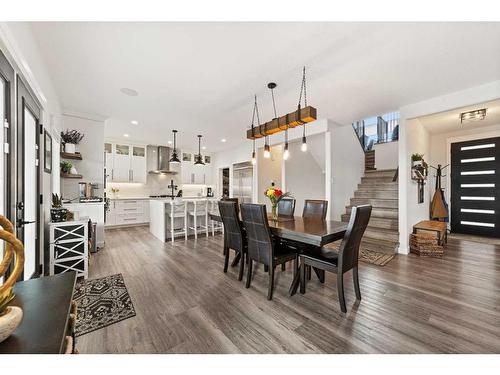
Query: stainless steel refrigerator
[{"x": 243, "y": 182}]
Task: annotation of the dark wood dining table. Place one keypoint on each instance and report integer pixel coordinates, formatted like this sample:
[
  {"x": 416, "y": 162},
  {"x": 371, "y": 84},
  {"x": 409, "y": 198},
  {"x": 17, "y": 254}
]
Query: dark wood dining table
[{"x": 313, "y": 232}]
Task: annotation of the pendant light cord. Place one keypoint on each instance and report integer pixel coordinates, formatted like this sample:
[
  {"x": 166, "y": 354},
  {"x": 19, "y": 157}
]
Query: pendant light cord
[
  {"x": 303, "y": 88},
  {"x": 274, "y": 103}
]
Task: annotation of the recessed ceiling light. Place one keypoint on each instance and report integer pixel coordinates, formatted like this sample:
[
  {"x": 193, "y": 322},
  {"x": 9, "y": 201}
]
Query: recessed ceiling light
[
  {"x": 204, "y": 148},
  {"x": 128, "y": 91},
  {"x": 134, "y": 122},
  {"x": 169, "y": 142},
  {"x": 477, "y": 115},
  {"x": 126, "y": 135},
  {"x": 223, "y": 140}
]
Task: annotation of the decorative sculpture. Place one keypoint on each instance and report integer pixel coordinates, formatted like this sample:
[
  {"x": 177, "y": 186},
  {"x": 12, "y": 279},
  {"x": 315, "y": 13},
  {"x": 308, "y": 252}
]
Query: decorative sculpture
[{"x": 10, "y": 316}]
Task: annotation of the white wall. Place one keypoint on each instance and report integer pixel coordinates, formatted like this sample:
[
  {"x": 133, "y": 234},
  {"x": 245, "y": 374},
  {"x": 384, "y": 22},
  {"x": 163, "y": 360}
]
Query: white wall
[
  {"x": 269, "y": 170},
  {"x": 346, "y": 168},
  {"x": 409, "y": 212},
  {"x": 304, "y": 171},
  {"x": 386, "y": 155},
  {"x": 92, "y": 149}
]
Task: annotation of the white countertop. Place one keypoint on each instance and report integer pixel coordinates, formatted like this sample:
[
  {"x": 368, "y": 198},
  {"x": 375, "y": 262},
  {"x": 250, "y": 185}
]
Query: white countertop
[
  {"x": 129, "y": 198},
  {"x": 84, "y": 204}
]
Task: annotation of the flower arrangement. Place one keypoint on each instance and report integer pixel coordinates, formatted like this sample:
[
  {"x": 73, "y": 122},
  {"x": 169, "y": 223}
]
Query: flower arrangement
[
  {"x": 71, "y": 136},
  {"x": 275, "y": 194}
]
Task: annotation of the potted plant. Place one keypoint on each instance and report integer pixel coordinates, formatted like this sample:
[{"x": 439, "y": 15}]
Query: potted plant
[
  {"x": 57, "y": 212},
  {"x": 417, "y": 159},
  {"x": 70, "y": 139},
  {"x": 275, "y": 195},
  {"x": 10, "y": 316},
  {"x": 66, "y": 167}
]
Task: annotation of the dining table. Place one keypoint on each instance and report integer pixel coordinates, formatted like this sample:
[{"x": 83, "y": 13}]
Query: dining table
[{"x": 312, "y": 232}]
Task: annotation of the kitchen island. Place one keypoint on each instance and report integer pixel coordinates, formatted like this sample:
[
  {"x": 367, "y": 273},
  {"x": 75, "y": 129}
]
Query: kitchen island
[{"x": 161, "y": 209}]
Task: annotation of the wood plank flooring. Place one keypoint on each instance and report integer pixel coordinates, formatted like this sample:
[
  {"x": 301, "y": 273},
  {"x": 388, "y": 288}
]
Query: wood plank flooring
[{"x": 186, "y": 304}]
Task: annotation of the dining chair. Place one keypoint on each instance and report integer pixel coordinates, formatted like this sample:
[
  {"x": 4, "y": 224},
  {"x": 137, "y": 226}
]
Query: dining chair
[
  {"x": 235, "y": 200},
  {"x": 286, "y": 207},
  {"x": 263, "y": 247},
  {"x": 315, "y": 209},
  {"x": 234, "y": 236},
  {"x": 342, "y": 261}
]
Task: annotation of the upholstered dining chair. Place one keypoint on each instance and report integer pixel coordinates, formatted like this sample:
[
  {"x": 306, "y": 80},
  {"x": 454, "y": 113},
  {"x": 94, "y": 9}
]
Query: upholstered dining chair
[
  {"x": 315, "y": 209},
  {"x": 234, "y": 236},
  {"x": 342, "y": 261},
  {"x": 263, "y": 247},
  {"x": 286, "y": 207},
  {"x": 235, "y": 200}
]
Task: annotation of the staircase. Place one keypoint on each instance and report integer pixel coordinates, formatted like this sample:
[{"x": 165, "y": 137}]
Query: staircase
[{"x": 378, "y": 189}]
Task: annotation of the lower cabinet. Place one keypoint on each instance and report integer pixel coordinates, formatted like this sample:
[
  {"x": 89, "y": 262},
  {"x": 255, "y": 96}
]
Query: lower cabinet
[
  {"x": 127, "y": 212},
  {"x": 69, "y": 248}
]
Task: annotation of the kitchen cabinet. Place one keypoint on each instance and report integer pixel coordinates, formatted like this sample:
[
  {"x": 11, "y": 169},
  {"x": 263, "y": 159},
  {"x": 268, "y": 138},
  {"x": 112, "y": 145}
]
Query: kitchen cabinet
[
  {"x": 124, "y": 212},
  {"x": 125, "y": 162},
  {"x": 196, "y": 174}
]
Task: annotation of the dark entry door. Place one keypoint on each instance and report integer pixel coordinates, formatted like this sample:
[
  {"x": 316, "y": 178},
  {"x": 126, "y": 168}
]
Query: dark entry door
[
  {"x": 475, "y": 187},
  {"x": 28, "y": 179}
]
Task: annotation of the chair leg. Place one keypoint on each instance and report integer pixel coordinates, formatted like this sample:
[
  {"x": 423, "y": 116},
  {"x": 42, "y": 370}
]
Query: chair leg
[
  {"x": 340, "y": 290},
  {"x": 206, "y": 224},
  {"x": 303, "y": 278},
  {"x": 195, "y": 226},
  {"x": 283, "y": 266},
  {"x": 172, "y": 228},
  {"x": 308, "y": 269},
  {"x": 186, "y": 229},
  {"x": 295, "y": 266},
  {"x": 242, "y": 266},
  {"x": 356, "y": 282},
  {"x": 249, "y": 273},
  {"x": 226, "y": 259},
  {"x": 271, "y": 283}
]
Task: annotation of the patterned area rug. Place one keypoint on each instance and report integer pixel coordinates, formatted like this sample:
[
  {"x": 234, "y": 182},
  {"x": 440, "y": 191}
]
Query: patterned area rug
[
  {"x": 367, "y": 256},
  {"x": 101, "y": 302}
]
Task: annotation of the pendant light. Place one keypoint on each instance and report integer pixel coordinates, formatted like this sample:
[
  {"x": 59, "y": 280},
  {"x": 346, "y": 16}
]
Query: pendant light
[
  {"x": 199, "y": 158},
  {"x": 255, "y": 111},
  {"x": 175, "y": 158},
  {"x": 267, "y": 149},
  {"x": 286, "y": 153},
  {"x": 303, "y": 89}
]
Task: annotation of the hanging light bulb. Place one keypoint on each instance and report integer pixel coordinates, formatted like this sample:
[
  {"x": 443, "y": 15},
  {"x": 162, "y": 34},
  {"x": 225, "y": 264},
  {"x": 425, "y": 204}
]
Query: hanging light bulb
[
  {"x": 267, "y": 151},
  {"x": 304, "y": 144},
  {"x": 286, "y": 153}
]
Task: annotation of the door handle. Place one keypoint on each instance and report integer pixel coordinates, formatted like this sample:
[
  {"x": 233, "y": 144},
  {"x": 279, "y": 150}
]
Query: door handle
[{"x": 21, "y": 223}]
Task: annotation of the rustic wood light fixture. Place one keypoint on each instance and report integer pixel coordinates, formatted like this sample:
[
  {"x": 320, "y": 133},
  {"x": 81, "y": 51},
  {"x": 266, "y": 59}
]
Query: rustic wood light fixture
[{"x": 299, "y": 117}]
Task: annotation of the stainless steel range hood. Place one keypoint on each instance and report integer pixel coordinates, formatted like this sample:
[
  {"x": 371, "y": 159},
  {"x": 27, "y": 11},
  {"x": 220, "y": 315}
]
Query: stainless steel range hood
[{"x": 158, "y": 160}]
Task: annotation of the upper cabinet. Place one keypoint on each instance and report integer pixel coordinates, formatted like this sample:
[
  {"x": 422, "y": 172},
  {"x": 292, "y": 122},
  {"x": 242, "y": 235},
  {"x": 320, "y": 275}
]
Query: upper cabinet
[
  {"x": 125, "y": 162},
  {"x": 195, "y": 174}
]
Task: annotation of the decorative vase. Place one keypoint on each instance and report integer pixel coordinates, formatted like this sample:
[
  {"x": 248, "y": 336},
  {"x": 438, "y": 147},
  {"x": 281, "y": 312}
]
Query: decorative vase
[
  {"x": 73, "y": 170},
  {"x": 58, "y": 214},
  {"x": 274, "y": 211},
  {"x": 70, "y": 148},
  {"x": 416, "y": 163},
  {"x": 9, "y": 320}
]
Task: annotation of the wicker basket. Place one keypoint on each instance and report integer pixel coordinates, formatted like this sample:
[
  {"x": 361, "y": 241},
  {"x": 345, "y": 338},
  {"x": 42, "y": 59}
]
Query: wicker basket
[{"x": 426, "y": 244}]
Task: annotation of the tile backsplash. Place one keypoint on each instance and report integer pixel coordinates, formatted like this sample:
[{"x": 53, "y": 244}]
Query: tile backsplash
[{"x": 155, "y": 185}]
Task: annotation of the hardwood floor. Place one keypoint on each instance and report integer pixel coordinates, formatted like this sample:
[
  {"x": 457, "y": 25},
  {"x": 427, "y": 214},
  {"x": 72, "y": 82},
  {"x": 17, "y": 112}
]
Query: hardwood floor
[{"x": 186, "y": 304}]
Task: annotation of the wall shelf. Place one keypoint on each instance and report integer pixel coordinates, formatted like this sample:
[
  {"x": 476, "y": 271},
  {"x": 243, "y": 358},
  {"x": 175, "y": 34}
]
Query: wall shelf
[
  {"x": 70, "y": 155},
  {"x": 68, "y": 175}
]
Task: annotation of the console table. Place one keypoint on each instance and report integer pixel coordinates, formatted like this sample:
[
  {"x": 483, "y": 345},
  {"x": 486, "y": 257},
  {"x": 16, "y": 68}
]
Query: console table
[{"x": 46, "y": 304}]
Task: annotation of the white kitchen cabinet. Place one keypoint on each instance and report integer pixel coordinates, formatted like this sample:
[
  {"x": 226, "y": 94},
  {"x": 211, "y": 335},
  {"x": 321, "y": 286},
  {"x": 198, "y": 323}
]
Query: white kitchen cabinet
[
  {"x": 125, "y": 162},
  {"x": 196, "y": 174},
  {"x": 124, "y": 212}
]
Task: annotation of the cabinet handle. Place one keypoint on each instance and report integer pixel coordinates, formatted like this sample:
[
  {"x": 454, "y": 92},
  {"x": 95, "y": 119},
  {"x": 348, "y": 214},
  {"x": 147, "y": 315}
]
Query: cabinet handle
[
  {"x": 128, "y": 219},
  {"x": 130, "y": 209},
  {"x": 112, "y": 174}
]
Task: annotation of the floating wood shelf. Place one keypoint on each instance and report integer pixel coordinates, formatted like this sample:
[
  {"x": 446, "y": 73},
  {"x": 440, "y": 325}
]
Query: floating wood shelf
[
  {"x": 291, "y": 120},
  {"x": 70, "y": 155},
  {"x": 68, "y": 175}
]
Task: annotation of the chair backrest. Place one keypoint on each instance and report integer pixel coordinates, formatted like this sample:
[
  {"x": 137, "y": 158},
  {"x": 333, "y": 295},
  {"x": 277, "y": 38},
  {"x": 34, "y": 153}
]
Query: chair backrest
[
  {"x": 235, "y": 200},
  {"x": 349, "y": 247},
  {"x": 286, "y": 207},
  {"x": 259, "y": 237},
  {"x": 315, "y": 209},
  {"x": 233, "y": 231}
]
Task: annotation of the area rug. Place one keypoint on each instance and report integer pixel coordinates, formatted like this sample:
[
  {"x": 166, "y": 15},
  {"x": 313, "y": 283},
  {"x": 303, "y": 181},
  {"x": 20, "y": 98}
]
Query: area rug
[
  {"x": 101, "y": 302},
  {"x": 367, "y": 256}
]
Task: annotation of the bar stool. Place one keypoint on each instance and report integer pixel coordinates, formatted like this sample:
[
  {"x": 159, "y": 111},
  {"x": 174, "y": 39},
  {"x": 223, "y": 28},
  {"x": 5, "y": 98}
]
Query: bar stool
[
  {"x": 178, "y": 209},
  {"x": 215, "y": 225},
  {"x": 197, "y": 210}
]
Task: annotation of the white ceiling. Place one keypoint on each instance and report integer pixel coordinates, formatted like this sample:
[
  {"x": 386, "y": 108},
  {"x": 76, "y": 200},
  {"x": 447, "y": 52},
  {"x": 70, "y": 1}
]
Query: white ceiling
[
  {"x": 450, "y": 120},
  {"x": 200, "y": 78}
]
